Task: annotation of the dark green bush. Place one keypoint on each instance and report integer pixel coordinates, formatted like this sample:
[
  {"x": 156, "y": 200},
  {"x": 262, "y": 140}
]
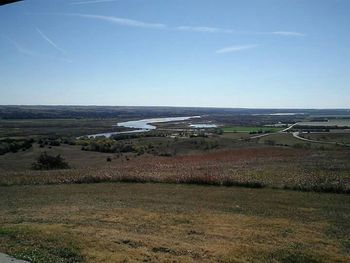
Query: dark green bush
[
  {"x": 14, "y": 145},
  {"x": 49, "y": 162}
]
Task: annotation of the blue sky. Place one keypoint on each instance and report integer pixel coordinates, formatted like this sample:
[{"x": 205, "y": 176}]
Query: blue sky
[{"x": 215, "y": 53}]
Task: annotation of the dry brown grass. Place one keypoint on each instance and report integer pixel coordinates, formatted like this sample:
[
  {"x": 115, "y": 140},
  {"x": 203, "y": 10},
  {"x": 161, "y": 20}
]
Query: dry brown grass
[
  {"x": 276, "y": 167},
  {"x": 171, "y": 223}
]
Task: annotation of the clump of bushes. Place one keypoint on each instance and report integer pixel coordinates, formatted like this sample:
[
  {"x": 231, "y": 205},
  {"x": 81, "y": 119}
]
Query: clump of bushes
[
  {"x": 106, "y": 145},
  {"x": 50, "y": 141},
  {"x": 14, "y": 145},
  {"x": 49, "y": 162},
  {"x": 260, "y": 131}
]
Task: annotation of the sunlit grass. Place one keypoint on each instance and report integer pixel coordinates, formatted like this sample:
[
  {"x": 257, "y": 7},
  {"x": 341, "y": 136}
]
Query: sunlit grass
[{"x": 162, "y": 222}]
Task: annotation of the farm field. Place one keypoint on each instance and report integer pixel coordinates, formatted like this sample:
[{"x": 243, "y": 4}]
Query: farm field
[
  {"x": 236, "y": 135},
  {"x": 333, "y": 137},
  {"x": 120, "y": 222},
  {"x": 282, "y": 138},
  {"x": 251, "y": 129},
  {"x": 330, "y": 122}
]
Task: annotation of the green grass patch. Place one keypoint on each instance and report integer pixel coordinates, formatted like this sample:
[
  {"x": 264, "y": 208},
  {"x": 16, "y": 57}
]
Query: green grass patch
[{"x": 37, "y": 246}]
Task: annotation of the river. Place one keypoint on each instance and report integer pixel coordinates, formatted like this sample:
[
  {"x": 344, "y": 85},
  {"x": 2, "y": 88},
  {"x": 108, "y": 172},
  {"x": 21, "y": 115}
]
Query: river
[{"x": 144, "y": 125}]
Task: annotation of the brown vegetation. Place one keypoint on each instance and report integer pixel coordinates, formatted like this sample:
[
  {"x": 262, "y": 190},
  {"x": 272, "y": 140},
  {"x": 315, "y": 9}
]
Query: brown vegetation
[
  {"x": 276, "y": 167},
  {"x": 170, "y": 223}
]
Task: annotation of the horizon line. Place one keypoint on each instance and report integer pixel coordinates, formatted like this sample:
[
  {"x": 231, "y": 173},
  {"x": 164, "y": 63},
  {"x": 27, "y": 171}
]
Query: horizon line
[{"x": 168, "y": 106}]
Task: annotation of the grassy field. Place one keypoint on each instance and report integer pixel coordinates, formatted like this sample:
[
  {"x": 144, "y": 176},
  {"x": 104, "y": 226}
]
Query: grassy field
[
  {"x": 78, "y": 159},
  {"x": 171, "y": 223},
  {"x": 287, "y": 139},
  {"x": 236, "y": 135},
  {"x": 283, "y": 138},
  {"x": 250, "y": 129},
  {"x": 60, "y": 127},
  {"x": 253, "y": 166},
  {"x": 22, "y": 160},
  {"x": 329, "y": 137}
]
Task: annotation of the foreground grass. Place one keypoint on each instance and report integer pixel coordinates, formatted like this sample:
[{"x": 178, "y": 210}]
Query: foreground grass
[
  {"x": 35, "y": 245},
  {"x": 172, "y": 223}
]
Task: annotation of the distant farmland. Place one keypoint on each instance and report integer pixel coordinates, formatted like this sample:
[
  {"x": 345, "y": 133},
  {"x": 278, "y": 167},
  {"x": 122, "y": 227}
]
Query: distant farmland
[
  {"x": 251, "y": 129},
  {"x": 339, "y": 123}
]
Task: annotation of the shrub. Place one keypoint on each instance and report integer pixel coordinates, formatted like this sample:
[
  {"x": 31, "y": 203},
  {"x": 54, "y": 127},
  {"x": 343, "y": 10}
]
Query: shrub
[
  {"x": 14, "y": 145},
  {"x": 48, "y": 162},
  {"x": 270, "y": 142}
]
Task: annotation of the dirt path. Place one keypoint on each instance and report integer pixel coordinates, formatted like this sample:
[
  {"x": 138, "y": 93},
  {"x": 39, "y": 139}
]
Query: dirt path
[
  {"x": 8, "y": 259},
  {"x": 259, "y": 136},
  {"x": 289, "y": 127}
]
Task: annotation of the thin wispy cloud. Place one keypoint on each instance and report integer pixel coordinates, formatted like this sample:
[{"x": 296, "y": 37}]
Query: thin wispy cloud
[
  {"x": 201, "y": 29},
  {"x": 50, "y": 41},
  {"x": 204, "y": 29},
  {"x": 25, "y": 51},
  {"x": 121, "y": 21},
  {"x": 91, "y": 2},
  {"x": 288, "y": 33},
  {"x": 20, "y": 48},
  {"x": 237, "y": 48}
]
